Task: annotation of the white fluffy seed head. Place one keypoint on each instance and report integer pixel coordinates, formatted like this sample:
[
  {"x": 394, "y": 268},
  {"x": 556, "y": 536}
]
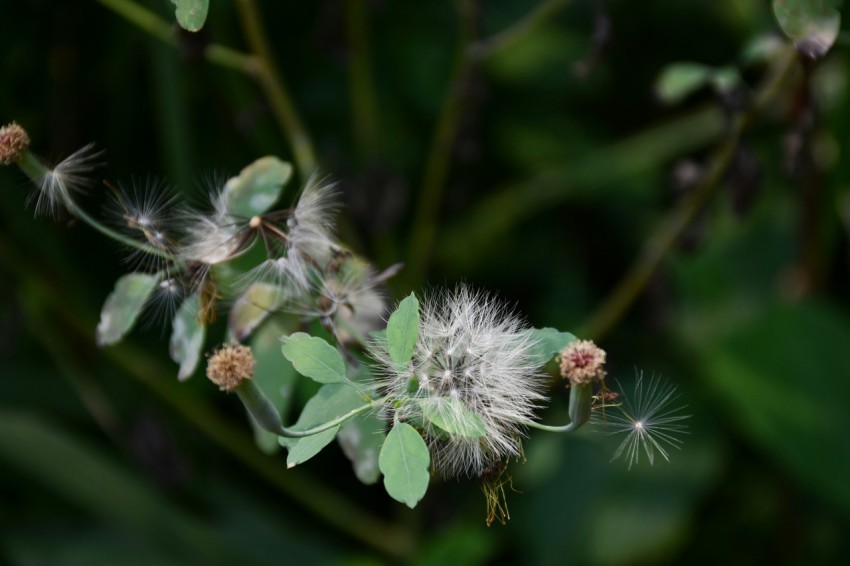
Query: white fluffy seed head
[
  {"x": 310, "y": 234},
  {"x": 471, "y": 349}
]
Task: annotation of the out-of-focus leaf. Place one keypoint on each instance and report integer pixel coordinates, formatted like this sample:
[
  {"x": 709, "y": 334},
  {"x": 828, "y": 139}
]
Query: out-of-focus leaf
[
  {"x": 452, "y": 416},
  {"x": 314, "y": 358},
  {"x": 191, "y": 14},
  {"x": 332, "y": 401},
  {"x": 813, "y": 25},
  {"x": 548, "y": 342},
  {"x": 252, "y": 308},
  {"x": 761, "y": 49},
  {"x": 361, "y": 440},
  {"x": 403, "y": 330},
  {"x": 404, "y": 461},
  {"x": 123, "y": 305},
  {"x": 776, "y": 377},
  {"x": 679, "y": 80},
  {"x": 257, "y": 187},
  {"x": 275, "y": 377},
  {"x": 187, "y": 337}
]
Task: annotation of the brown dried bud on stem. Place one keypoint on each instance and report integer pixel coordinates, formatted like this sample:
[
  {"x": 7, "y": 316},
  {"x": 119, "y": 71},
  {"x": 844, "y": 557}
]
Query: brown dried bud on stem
[
  {"x": 230, "y": 365},
  {"x": 582, "y": 362},
  {"x": 13, "y": 141}
]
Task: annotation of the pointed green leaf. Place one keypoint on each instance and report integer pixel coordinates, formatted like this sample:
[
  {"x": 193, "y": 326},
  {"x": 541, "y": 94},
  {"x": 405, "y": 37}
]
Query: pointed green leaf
[
  {"x": 123, "y": 305},
  {"x": 404, "y": 461},
  {"x": 331, "y": 401},
  {"x": 314, "y": 358},
  {"x": 403, "y": 330},
  {"x": 813, "y": 25},
  {"x": 257, "y": 187},
  {"x": 451, "y": 415},
  {"x": 549, "y": 342},
  {"x": 252, "y": 308},
  {"x": 191, "y": 14},
  {"x": 187, "y": 337}
]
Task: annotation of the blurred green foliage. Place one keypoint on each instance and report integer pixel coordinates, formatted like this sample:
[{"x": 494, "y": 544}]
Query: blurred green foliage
[{"x": 564, "y": 162}]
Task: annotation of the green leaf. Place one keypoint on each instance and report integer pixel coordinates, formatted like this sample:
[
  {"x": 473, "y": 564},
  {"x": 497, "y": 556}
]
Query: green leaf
[
  {"x": 403, "y": 330},
  {"x": 361, "y": 440},
  {"x": 813, "y": 25},
  {"x": 404, "y": 461},
  {"x": 187, "y": 337},
  {"x": 452, "y": 416},
  {"x": 191, "y": 14},
  {"x": 679, "y": 80},
  {"x": 252, "y": 308},
  {"x": 330, "y": 402},
  {"x": 314, "y": 358},
  {"x": 274, "y": 376},
  {"x": 549, "y": 342},
  {"x": 257, "y": 187},
  {"x": 123, "y": 305}
]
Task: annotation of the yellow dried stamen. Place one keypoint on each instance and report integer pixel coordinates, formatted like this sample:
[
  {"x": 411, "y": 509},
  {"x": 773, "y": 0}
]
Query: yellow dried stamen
[
  {"x": 582, "y": 362},
  {"x": 13, "y": 142},
  {"x": 230, "y": 365}
]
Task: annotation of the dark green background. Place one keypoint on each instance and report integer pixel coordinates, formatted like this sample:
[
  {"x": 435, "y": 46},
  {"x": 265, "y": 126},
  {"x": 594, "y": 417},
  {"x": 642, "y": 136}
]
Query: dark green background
[{"x": 105, "y": 459}]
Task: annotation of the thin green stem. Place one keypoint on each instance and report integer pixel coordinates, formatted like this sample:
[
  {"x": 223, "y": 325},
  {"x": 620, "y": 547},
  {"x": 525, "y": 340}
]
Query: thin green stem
[
  {"x": 439, "y": 156},
  {"x": 581, "y": 401},
  {"x": 659, "y": 245},
  {"x": 273, "y": 86},
  {"x": 118, "y": 237},
  {"x": 288, "y": 432},
  {"x": 162, "y": 30}
]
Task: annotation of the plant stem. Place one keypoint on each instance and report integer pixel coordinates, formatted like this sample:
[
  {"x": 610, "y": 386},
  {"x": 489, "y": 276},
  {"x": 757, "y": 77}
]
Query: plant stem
[
  {"x": 274, "y": 88},
  {"x": 660, "y": 244},
  {"x": 519, "y": 30},
  {"x": 439, "y": 156},
  {"x": 580, "y": 404},
  {"x": 148, "y": 21},
  {"x": 118, "y": 237},
  {"x": 364, "y": 102}
]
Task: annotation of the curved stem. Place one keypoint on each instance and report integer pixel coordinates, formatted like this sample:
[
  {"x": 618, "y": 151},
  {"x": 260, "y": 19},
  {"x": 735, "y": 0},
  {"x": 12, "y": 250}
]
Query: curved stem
[
  {"x": 275, "y": 89},
  {"x": 660, "y": 244},
  {"x": 581, "y": 401},
  {"x": 117, "y": 236},
  {"x": 267, "y": 416}
]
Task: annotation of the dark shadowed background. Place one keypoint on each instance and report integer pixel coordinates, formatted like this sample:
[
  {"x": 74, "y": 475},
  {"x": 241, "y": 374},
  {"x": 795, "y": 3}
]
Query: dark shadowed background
[{"x": 556, "y": 161}]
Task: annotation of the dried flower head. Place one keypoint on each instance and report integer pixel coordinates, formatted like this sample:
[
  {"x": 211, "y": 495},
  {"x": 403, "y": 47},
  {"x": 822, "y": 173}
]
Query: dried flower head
[
  {"x": 647, "y": 419},
  {"x": 230, "y": 365},
  {"x": 57, "y": 186},
  {"x": 582, "y": 362},
  {"x": 13, "y": 141},
  {"x": 472, "y": 357}
]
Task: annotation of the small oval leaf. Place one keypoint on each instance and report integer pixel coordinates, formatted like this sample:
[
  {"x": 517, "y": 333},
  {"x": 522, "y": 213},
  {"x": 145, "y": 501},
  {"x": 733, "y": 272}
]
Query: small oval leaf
[
  {"x": 191, "y": 14},
  {"x": 123, "y": 305},
  {"x": 187, "y": 337},
  {"x": 404, "y": 461},
  {"x": 257, "y": 187},
  {"x": 403, "y": 330},
  {"x": 314, "y": 358},
  {"x": 452, "y": 416},
  {"x": 548, "y": 342},
  {"x": 813, "y": 25},
  {"x": 252, "y": 308}
]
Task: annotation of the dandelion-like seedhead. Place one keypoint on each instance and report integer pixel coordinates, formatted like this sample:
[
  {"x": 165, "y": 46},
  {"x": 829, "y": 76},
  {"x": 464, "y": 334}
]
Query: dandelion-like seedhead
[
  {"x": 647, "y": 418},
  {"x": 57, "y": 186},
  {"x": 473, "y": 350}
]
